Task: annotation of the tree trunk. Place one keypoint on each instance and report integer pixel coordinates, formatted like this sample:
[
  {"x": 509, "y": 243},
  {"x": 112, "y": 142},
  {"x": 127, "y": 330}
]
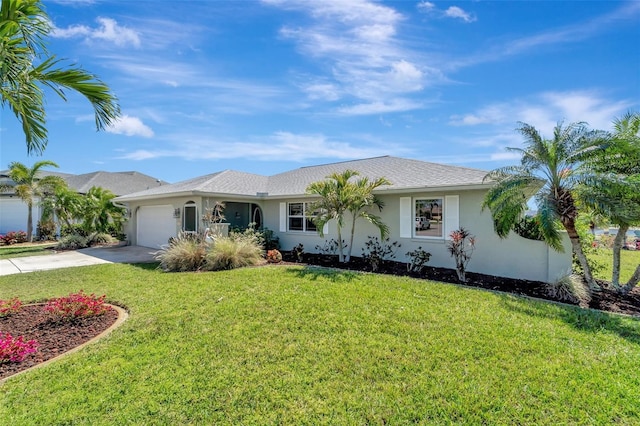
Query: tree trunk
[
  {"x": 30, "y": 222},
  {"x": 353, "y": 231},
  {"x": 617, "y": 246},
  {"x": 340, "y": 248},
  {"x": 633, "y": 281},
  {"x": 569, "y": 225}
]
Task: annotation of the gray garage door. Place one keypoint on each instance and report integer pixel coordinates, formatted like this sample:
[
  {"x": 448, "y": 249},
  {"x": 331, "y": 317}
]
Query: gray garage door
[{"x": 156, "y": 225}]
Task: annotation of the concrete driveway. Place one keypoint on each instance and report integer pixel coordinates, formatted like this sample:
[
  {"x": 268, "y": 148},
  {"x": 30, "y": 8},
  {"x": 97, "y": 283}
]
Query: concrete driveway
[{"x": 84, "y": 257}]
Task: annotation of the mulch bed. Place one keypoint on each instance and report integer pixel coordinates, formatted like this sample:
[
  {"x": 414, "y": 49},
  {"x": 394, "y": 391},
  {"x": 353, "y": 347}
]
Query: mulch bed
[
  {"x": 605, "y": 300},
  {"x": 54, "y": 337}
]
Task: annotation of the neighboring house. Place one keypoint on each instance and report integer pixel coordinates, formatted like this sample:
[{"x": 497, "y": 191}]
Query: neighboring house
[
  {"x": 447, "y": 196},
  {"x": 13, "y": 211}
]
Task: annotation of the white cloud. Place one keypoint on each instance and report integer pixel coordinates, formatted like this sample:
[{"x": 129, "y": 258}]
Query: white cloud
[
  {"x": 546, "y": 109},
  {"x": 451, "y": 12},
  {"x": 130, "y": 126},
  {"x": 355, "y": 43},
  {"x": 456, "y": 12},
  {"x": 393, "y": 105},
  {"x": 279, "y": 145},
  {"x": 108, "y": 30}
]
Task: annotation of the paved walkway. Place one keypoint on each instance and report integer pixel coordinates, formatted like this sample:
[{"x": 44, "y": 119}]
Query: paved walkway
[{"x": 84, "y": 257}]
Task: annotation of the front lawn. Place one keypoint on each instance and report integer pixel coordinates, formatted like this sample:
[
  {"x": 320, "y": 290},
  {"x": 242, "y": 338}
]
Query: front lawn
[
  {"x": 293, "y": 345},
  {"x": 26, "y": 249}
]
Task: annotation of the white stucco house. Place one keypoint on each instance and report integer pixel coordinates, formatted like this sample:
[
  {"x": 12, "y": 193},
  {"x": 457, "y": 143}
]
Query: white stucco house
[
  {"x": 13, "y": 211},
  {"x": 423, "y": 204}
]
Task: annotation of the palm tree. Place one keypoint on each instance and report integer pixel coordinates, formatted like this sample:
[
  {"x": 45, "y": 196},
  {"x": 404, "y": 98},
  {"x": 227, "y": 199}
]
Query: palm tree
[
  {"x": 99, "y": 211},
  {"x": 65, "y": 204},
  {"x": 31, "y": 187},
  {"x": 619, "y": 198},
  {"x": 549, "y": 170},
  {"x": 339, "y": 195},
  {"x": 27, "y": 66}
]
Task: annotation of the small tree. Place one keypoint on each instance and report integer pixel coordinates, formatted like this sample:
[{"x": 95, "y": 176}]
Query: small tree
[
  {"x": 98, "y": 211},
  {"x": 32, "y": 187},
  {"x": 339, "y": 195},
  {"x": 461, "y": 246}
]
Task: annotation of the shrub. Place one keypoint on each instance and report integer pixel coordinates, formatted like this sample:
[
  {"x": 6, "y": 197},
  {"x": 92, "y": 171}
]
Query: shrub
[
  {"x": 274, "y": 256},
  {"x": 14, "y": 237},
  {"x": 461, "y": 247},
  {"x": 100, "y": 238},
  {"x": 418, "y": 258},
  {"x": 529, "y": 228},
  {"x": 270, "y": 241},
  {"x": 186, "y": 252},
  {"x": 10, "y": 306},
  {"x": 569, "y": 288},
  {"x": 298, "y": 253},
  {"x": 73, "y": 229},
  {"x": 234, "y": 252},
  {"x": 15, "y": 349},
  {"x": 46, "y": 230},
  {"x": 77, "y": 305},
  {"x": 375, "y": 252},
  {"x": 72, "y": 242},
  {"x": 330, "y": 247}
]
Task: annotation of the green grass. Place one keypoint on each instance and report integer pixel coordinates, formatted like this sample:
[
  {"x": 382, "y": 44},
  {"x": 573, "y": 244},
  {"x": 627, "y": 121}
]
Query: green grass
[
  {"x": 22, "y": 250},
  {"x": 288, "y": 345},
  {"x": 629, "y": 260}
]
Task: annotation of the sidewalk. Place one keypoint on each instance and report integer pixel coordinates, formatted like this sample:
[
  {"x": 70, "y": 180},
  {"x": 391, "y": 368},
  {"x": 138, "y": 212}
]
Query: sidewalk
[{"x": 84, "y": 257}]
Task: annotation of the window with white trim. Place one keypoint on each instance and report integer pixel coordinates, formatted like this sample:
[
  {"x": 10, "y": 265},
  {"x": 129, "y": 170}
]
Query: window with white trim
[
  {"x": 428, "y": 217},
  {"x": 297, "y": 219}
]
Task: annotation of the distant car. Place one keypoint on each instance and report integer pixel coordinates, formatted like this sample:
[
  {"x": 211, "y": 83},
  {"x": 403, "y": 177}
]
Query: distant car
[{"x": 422, "y": 223}]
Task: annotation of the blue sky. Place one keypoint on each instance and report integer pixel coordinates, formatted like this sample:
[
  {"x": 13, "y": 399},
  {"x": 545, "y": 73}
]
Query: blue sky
[{"x": 268, "y": 86}]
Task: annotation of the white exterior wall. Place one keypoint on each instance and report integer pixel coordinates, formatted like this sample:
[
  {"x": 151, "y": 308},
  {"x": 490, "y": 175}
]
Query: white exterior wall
[
  {"x": 14, "y": 213},
  {"x": 514, "y": 257}
]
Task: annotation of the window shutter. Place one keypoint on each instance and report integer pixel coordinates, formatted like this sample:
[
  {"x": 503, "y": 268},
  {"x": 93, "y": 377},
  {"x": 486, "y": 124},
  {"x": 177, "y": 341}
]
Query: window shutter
[
  {"x": 451, "y": 214},
  {"x": 406, "y": 222},
  {"x": 283, "y": 217}
]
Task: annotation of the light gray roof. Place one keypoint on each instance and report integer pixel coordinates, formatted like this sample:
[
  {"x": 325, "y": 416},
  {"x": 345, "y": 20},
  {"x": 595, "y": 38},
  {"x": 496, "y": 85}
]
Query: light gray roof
[
  {"x": 119, "y": 183},
  {"x": 229, "y": 182},
  {"x": 401, "y": 172},
  {"x": 404, "y": 174}
]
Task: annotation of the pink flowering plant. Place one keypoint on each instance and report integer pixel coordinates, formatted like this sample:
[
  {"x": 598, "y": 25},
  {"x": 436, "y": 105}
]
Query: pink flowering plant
[
  {"x": 461, "y": 246},
  {"x": 15, "y": 349},
  {"x": 9, "y": 306},
  {"x": 77, "y": 305}
]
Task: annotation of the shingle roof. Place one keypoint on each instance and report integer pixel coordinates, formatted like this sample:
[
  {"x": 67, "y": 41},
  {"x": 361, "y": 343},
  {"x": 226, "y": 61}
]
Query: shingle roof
[
  {"x": 229, "y": 182},
  {"x": 404, "y": 174},
  {"x": 401, "y": 172},
  {"x": 119, "y": 183}
]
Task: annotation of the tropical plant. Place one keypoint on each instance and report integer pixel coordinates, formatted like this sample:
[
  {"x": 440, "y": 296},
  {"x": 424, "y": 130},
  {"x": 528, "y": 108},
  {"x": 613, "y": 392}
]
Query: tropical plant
[
  {"x": 15, "y": 349},
  {"x": 618, "y": 197},
  {"x": 339, "y": 195},
  {"x": 31, "y": 186},
  {"x": 375, "y": 252},
  {"x": 274, "y": 256},
  {"x": 418, "y": 258},
  {"x": 568, "y": 288},
  {"x": 64, "y": 204},
  {"x": 550, "y": 170},
  {"x": 461, "y": 246},
  {"x": 77, "y": 305},
  {"x": 27, "y": 67},
  {"x": 72, "y": 242},
  {"x": 99, "y": 212}
]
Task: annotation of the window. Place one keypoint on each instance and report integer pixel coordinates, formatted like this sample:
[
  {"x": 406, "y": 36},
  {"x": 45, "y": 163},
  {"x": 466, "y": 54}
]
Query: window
[
  {"x": 428, "y": 217},
  {"x": 297, "y": 218},
  {"x": 190, "y": 217}
]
